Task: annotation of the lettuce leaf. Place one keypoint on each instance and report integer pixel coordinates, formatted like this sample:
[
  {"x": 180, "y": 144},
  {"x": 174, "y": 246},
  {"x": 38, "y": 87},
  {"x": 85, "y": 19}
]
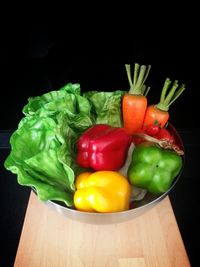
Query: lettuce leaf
[
  {"x": 43, "y": 148},
  {"x": 107, "y": 107},
  {"x": 53, "y": 102}
]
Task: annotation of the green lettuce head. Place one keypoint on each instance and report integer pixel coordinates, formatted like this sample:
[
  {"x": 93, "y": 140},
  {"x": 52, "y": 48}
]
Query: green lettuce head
[{"x": 43, "y": 148}]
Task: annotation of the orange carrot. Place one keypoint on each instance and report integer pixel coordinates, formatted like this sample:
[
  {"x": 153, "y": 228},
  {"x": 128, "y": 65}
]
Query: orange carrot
[
  {"x": 134, "y": 103},
  {"x": 159, "y": 114}
]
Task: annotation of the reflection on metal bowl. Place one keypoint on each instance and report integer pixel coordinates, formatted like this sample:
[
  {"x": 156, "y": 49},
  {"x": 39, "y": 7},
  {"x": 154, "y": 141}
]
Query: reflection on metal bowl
[{"x": 140, "y": 206}]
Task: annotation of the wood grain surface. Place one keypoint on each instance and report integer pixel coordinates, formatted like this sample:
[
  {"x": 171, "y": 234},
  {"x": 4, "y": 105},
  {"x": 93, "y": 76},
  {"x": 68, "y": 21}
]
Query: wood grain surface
[{"x": 49, "y": 239}]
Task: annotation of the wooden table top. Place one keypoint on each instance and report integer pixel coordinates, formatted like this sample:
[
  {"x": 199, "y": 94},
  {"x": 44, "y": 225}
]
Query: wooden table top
[{"x": 49, "y": 239}]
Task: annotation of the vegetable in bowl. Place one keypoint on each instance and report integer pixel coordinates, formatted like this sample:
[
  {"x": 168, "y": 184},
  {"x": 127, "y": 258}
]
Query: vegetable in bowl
[{"x": 66, "y": 133}]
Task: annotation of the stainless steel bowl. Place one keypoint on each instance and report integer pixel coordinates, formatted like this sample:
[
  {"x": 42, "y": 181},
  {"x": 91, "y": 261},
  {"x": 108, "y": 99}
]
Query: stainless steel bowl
[{"x": 140, "y": 206}]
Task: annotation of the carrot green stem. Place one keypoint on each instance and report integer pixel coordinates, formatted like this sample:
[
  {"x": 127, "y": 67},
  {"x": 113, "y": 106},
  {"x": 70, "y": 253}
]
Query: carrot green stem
[
  {"x": 147, "y": 73},
  {"x": 128, "y": 71},
  {"x": 147, "y": 90},
  {"x": 171, "y": 92},
  {"x": 164, "y": 90},
  {"x": 137, "y": 67},
  {"x": 137, "y": 86},
  {"x": 167, "y": 99},
  {"x": 140, "y": 78},
  {"x": 177, "y": 94}
]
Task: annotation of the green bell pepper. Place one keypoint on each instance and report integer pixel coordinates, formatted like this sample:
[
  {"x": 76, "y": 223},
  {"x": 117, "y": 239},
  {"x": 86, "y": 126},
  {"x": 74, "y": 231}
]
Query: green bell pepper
[{"x": 154, "y": 168}]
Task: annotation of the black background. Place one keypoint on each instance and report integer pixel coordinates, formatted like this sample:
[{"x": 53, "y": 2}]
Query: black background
[
  {"x": 41, "y": 57},
  {"x": 38, "y": 58}
]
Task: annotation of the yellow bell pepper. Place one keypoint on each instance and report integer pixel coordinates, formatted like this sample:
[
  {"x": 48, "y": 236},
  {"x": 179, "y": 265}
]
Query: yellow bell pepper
[{"x": 102, "y": 191}]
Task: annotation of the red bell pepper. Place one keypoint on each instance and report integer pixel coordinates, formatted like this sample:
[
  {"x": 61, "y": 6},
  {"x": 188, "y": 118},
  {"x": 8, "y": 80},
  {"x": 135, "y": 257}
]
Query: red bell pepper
[{"x": 103, "y": 147}]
